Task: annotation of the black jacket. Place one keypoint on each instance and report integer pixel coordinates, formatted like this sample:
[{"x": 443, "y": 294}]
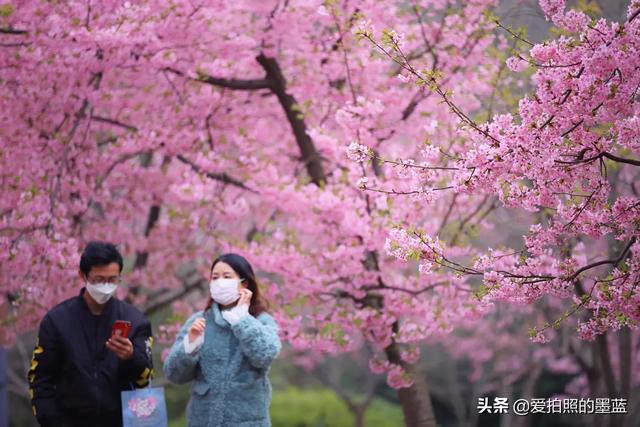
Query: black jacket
[{"x": 74, "y": 379}]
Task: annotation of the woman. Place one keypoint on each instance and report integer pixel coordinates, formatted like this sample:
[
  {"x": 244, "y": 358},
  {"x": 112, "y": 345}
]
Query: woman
[{"x": 227, "y": 350}]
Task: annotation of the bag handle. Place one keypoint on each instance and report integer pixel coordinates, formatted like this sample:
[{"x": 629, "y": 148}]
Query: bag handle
[{"x": 133, "y": 387}]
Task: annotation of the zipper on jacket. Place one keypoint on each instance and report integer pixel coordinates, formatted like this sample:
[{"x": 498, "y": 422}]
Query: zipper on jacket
[{"x": 95, "y": 367}]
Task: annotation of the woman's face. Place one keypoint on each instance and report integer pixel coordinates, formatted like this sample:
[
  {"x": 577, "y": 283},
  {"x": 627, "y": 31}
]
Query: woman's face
[{"x": 222, "y": 270}]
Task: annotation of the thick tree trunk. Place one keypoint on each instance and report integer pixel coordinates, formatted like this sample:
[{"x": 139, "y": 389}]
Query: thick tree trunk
[
  {"x": 4, "y": 387},
  {"x": 608, "y": 377},
  {"x": 529, "y": 392},
  {"x": 456, "y": 395},
  {"x": 506, "y": 419},
  {"x": 359, "y": 415},
  {"x": 624, "y": 349},
  {"x": 415, "y": 400},
  {"x": 633, "y": 409}
]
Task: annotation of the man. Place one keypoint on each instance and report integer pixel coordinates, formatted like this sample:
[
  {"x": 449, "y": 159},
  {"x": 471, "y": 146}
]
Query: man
[{"x": 78, "y": 368}]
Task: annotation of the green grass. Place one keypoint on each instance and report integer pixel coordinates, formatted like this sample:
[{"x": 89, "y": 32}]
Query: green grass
[
  {"x": 321, "y": 408},
  {"x": 178, "y": 422}
]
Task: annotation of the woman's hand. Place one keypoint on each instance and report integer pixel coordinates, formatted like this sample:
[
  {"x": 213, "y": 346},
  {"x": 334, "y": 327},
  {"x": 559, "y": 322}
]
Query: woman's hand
[
  {"x": 245, "y": 296},
  {"x": 196, "y": 329}
]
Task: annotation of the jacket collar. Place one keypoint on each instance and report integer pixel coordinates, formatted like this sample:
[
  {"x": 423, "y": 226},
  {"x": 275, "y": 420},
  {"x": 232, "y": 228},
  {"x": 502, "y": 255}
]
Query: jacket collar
[{"x": 215, "y": 313}]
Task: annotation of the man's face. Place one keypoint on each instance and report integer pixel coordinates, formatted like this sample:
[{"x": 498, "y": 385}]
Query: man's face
[{"x": 109, "y": 273}]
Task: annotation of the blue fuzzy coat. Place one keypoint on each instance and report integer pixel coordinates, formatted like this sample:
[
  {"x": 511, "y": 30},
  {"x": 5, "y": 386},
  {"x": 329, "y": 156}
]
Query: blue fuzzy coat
[{"x": 229, "y": 372}]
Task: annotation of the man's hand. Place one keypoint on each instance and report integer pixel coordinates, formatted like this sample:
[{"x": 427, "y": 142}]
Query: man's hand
[{"x": 121, "y": 347}]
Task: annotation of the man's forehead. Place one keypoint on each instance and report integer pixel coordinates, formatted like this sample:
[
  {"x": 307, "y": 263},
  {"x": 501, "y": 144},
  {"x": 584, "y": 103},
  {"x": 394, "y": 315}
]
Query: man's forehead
[{"x": 110, "y": 269}]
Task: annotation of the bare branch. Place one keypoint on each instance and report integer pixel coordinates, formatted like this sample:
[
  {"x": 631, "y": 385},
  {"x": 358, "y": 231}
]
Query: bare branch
[
  {"x": 276, "y": 82},
  {"x": 621, "y": 159},
  {"x": 223, "y": 177},
  {"x": 13, "y": 31},
  {"x": 310, "y": 155},
  {"x": 128, "y": 127},
  {"x": 235, "y": 84},
  {"x": 191, "y": 281},
  {"x": 615, "y": 262}
]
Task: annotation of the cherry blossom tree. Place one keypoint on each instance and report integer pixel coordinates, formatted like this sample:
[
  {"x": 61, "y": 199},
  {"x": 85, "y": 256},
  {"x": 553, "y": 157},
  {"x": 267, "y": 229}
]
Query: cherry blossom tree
[
  {"x": 181, "y": 130},
  {"x": 567, "y": 155}
]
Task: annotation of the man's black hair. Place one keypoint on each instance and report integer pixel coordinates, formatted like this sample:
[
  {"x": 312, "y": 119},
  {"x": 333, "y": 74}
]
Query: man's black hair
[{"x": 99, "y": 253}]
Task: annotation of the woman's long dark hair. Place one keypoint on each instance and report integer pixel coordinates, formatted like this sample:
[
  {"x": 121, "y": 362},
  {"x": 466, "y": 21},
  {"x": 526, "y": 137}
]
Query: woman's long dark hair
[{"x": 243, "y": 269}]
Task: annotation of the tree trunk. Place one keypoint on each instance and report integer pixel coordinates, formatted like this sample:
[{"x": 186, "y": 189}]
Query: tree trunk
[
  {"x": 608, "y": 377},
  {"x": 529, "y": 392},
  {"x": 624, "y": 349},
  {"x": 4, "y": 387},
  {"x": 358, "y": 413},
  {"x": 457, "y": 402},
  {"x": 415, "y": 400},
  {"x": 633, "y": 411}
]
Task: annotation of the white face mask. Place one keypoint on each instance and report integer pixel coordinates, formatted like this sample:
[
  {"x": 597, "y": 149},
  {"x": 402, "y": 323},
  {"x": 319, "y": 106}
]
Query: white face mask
[
  {"x": 101, "y": 292},
  {"x": 224, "y": 291}
]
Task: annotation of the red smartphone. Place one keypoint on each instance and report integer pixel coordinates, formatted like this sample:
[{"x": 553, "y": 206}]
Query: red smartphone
[{"x": 121, "y": 328}]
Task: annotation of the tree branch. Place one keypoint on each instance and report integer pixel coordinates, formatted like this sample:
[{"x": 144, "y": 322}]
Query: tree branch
[
  {"x": 234, "y": 84},
  {"x": 219, "y": 177},
  {"x": 614, "y": 262},
  {"x": 413, "y": 292},
  {"x": 223, "y": 177},
  {"x": 310, "y": 155},
  {"x": 112, "y": 166},
  {"x": 152, "y": 218},
  {"x": 276, "y": 82},
  {"x": 12, "y": 31},
  {"x": 107, "y": 120},
  {"x": 191, "y": 281},
  {"x": 621, "y": 159}
]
